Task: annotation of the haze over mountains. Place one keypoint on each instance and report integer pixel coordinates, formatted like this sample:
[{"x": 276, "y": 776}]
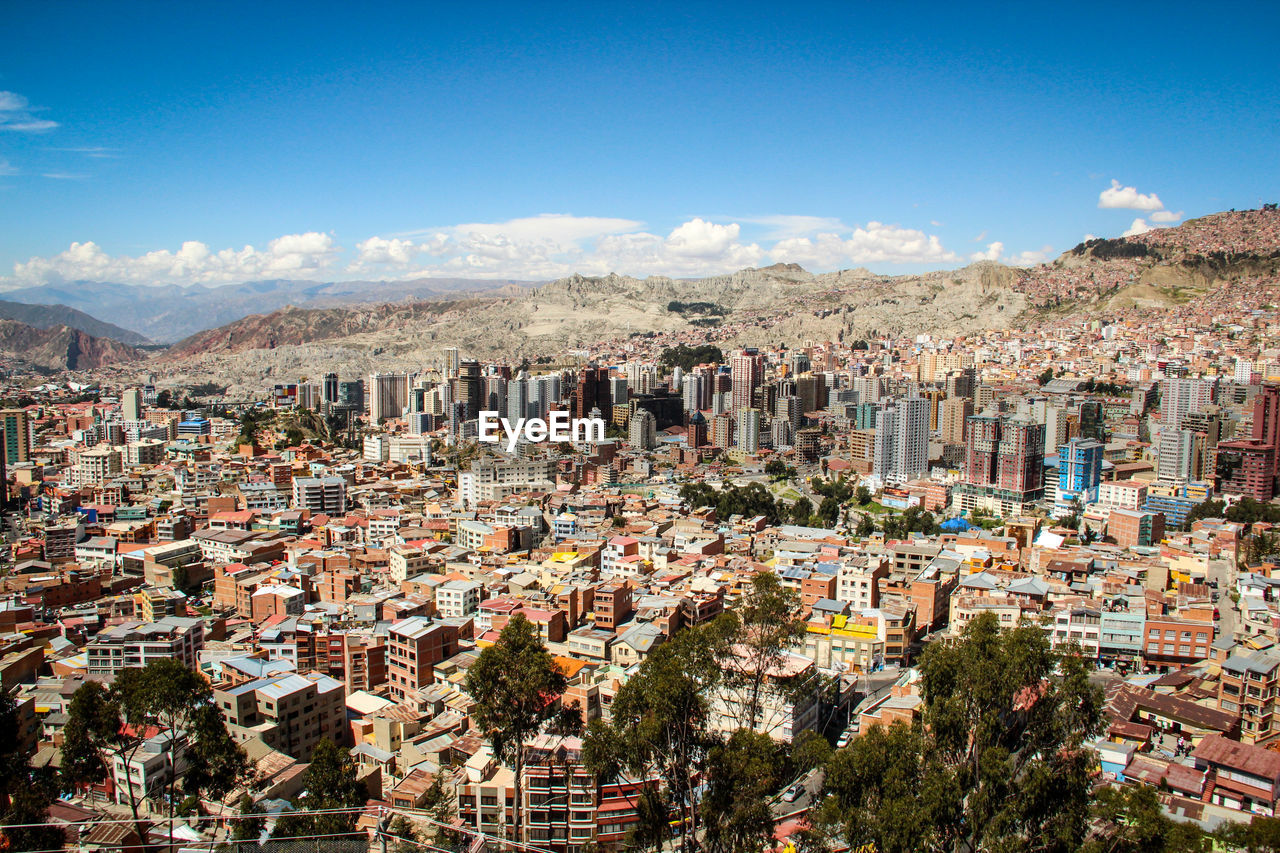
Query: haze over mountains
[
  {"x": 169, "y": 313},
  {"x": 353, "y": 328}
]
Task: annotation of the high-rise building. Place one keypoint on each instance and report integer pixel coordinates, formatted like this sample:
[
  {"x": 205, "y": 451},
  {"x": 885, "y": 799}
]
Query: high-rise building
[
  {"x": 495, "y": 393},
  {"x": 1007, "y": 454},
  {"x": 902, "y": 440},
  {"x": 1092, "y": 421},
  {"x": 452, "y": 363},
  {"x": 1021, "y": 456},
  {"x": 618, "y": 392},
  {"x": 643, "y": 430},
  {"x": 749, "y": 430},
  {"x": 982, "y": 450},
  {"x": 722, "y": 431},
  {"x": 697, "y": 434},
  {"x": 955, "y": 412},
  {"x": 592, "y": 393},
  {"x": 1266, "y": 422},
  {"x": 746, "y": 370},
  {"x": 17, "y": 435},
  {"x": 1180, "y": 454},
  {"x": 388, "y": 396},
  {"x": 330, "y": 393},
  {"x": 131, "y": 404},
  {"x": 470, "y": 388},
  {"x": 1179, "y": 397},
  {"x": 518, "y": 398},
  {"x": 1079, "y": 473},
  {"x": 1246, "y": 467},
  {"x": 781, "y": 433}
]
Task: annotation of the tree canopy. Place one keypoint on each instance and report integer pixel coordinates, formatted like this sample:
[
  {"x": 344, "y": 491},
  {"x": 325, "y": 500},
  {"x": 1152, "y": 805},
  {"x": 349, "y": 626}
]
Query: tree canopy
[{"x": 997, "y": 762}]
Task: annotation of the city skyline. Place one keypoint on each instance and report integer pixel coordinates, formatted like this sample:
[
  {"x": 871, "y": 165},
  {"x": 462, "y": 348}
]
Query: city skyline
[{"x": 186, "y": 149}]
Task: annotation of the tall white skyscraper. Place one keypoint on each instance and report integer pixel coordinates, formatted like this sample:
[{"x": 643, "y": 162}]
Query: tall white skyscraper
[
  {"x": 902, "y": 440},
  {"x": 1180, "y": 397},
  {"x": 749, "y": 430},
  {"x": 131, "y": 404},
  {"x": 518, "y": 398}
]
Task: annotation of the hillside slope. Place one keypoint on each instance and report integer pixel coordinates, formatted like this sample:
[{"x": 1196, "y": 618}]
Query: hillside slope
[
  {"x": 59, "y": 348},
  {"x": 48, "y": 316}
]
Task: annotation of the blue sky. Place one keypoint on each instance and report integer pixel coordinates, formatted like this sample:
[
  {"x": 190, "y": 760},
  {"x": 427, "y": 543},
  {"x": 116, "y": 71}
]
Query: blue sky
[{"x": 159, "y": 143}]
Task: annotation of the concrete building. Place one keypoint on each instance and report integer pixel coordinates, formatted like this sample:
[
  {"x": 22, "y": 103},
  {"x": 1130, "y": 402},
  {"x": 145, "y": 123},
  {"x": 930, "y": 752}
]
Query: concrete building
[{"x": 290, "y": 712}]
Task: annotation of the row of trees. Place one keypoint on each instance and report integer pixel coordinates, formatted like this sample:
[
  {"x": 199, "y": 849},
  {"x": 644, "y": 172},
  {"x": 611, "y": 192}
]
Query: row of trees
[
  {"x": 998, "y": 760},
  {"x": 667, "y": 720},
  {"x": 750, "y": 500},
  {"x": 106, "y": 725}
]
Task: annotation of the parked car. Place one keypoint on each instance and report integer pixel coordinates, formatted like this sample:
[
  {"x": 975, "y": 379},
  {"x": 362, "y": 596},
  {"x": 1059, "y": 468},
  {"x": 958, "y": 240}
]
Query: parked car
[
  {"x": 793, "y": 793},
  {"x": 843, "y": 740}
]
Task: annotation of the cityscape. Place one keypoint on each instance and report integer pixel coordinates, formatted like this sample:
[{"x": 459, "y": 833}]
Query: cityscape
[{"x": 640, "y": 528}]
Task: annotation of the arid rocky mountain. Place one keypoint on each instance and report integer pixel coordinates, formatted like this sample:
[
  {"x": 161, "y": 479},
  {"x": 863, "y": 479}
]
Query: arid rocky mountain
[
  {"x": 48, "y": 316},
  {"x": 1220, "y": 257},
  {"x": 59, "y": 348}
]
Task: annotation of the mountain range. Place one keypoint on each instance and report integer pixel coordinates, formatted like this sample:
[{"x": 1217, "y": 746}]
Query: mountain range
[
  {"x": 168, "y": 313},
  {"x": 1224, "y": 261}
]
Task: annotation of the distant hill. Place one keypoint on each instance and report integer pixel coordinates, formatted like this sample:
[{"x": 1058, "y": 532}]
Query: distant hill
[
  {"x": 49, "y": 316},
  {"x": 171, "y": 312},
  {"x": 1231, "y": 260},
  {"x": 59, "y": 348}
]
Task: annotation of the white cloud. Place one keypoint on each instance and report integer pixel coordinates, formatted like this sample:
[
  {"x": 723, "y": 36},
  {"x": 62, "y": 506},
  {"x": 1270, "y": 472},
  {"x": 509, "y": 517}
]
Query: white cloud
[
  {"x": 993, "y": 252},
  {"x": 96, "y": 152},
  {"x": 291, "y": 256},
  {"x": 1166, "y": 216},
  {"x": 700, "y": 239},
  {"x": 65, "y": 176},
  {"x": 1139, "y": 226},
  {"x": 377, "y": 250},
  {"x": 1128, "y": 198},
  {"x": 1030, "y": 257},
  {"x": 980, "y": 237},
  {"x": 873, "y": 243},
  {"x": 7, "y": 168},
  {"x": 17, "y": 114},
  {"x": 532, "y": 248},
  {"x": 549, "y": 228}
]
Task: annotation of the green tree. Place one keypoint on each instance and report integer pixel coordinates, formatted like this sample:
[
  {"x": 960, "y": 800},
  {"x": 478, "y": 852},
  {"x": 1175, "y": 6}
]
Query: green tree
[
  {"x": 809, "y": 750},
  {"x": 829, "y": 510},
  {"x": 862, "y": 495},
  {"x": 660, "y": 729},
  {"x": 866, "y": 527},
  {"x": 776, "y": 468},
  {"x": 1003, "y": 765},
  {"x": 743, "y": 772},
  {"x": 1131, "y": 820},
  {"x": 407, "y": 835},
  {"x": 515, "y": 685},
  {"x": 331, "y": 784},
  {"x": 801, "y": 511},
  {"x": 104, "y": 725},
  {"x": 752, "y": 642},
  {"x": 25, "y": 793},
  {"x": 250, "y": 825},
  {"x": 100, "y": 728},
  {"x": 1260, "y": 835}
]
